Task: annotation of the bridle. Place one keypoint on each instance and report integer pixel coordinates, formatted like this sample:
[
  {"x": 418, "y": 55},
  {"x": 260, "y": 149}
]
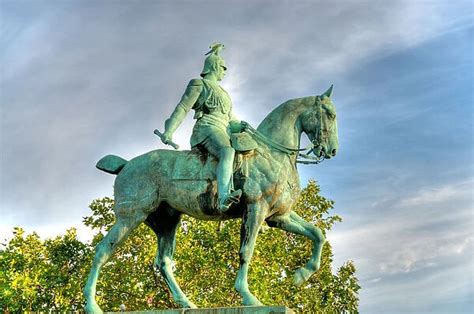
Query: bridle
[{"x": 316, "y": 143}]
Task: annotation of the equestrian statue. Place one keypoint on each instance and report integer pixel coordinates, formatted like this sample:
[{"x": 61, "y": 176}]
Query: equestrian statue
[{"x": 232, "y": 171}]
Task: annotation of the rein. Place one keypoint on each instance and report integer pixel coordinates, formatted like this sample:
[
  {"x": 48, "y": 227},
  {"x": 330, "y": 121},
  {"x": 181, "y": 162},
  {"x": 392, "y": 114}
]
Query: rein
[
  {"x": 303, "y": 158},
  {"x": 260, "y": 137}
]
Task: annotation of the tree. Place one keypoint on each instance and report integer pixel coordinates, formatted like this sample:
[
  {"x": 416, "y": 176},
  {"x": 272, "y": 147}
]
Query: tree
[
  {"x": 43, "y": 275},
  {"x": 22, "y": 264},
  {"x": 68, "y": 259}
]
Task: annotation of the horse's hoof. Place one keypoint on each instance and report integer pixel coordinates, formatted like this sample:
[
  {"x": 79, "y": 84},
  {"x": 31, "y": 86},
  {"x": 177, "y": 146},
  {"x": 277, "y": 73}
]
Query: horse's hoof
[
  {"x": 191, "y": 305},
  {"x": 301, "y": 275},
  {"x": 186, "y": 304},
  {"x": 92, "y": 308},
  {"x": 251, "y": 300}
]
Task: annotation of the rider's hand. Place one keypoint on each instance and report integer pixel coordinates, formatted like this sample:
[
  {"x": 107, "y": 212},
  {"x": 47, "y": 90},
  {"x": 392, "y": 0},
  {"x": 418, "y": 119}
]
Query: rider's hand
[
  {"x": 167, "y": 138},
  {"x": 235, "y": 126}
]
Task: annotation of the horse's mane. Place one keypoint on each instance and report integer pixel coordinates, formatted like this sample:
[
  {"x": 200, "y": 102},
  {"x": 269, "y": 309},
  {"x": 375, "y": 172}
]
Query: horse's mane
[{"x": 284, "y": 110}]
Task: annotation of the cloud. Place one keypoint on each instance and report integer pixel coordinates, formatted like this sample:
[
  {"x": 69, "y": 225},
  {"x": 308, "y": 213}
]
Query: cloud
[
  {"x": 439, "y": 194},
  {"x": 417, "y": 227},
  {"x": 406, "y": 243},
  {"x": 440, "y": 291}
]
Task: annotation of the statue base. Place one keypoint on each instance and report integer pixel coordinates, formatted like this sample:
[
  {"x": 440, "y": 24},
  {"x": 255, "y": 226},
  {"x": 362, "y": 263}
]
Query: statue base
[{"x": 221, "y": 310}]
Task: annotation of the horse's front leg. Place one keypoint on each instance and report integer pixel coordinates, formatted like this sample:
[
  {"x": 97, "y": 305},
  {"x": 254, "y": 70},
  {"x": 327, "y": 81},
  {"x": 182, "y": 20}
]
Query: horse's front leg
[
  {"x": 293, "y": 223},
  {"x": 251, "y": 223}
]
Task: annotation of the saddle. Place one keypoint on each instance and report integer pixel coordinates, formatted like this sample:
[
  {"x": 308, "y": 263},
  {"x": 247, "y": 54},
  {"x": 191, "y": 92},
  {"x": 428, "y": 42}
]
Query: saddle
[{"x": 199, "y": 159}]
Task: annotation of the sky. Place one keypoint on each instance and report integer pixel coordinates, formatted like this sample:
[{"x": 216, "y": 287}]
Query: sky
[{"x": 82, "y": 79}]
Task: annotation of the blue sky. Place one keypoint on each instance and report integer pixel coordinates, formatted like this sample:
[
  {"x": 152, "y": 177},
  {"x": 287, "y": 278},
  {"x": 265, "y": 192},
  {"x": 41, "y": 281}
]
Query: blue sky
[{"x": 80, "y": 80}]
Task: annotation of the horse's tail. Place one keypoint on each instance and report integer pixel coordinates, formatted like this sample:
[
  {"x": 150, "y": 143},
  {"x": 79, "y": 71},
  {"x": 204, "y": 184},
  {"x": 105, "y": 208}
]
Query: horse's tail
[{"x": 111, "y": 164}]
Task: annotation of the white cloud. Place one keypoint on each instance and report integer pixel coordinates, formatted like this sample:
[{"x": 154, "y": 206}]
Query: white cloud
[
  {"x": 439, "y": 194},
  {"x": 406, "y": 244}
]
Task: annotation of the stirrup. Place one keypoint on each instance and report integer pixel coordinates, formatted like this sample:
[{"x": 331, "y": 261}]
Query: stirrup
[{"x": 228, "y": 200}]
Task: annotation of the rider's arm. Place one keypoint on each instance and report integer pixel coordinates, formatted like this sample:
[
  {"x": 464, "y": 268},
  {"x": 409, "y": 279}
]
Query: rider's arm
[{"x": 187, "y": 101}]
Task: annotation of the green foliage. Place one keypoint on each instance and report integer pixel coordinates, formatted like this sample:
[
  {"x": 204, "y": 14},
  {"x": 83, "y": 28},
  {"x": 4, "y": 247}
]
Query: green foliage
[
  {"x": 50, "y": 274},
  {"x": 43, "y": 275},
  {"x": 67, "y": 259},
  {"x": 22, "y": 264},
  {"x": 102, "y": 217}
]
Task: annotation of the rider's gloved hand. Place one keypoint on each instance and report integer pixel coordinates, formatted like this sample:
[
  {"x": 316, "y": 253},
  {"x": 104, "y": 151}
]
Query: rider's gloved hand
[
  {"x": 244, "y": 125},
  {"x": 235, "y": 126},
  {"x": 166, "y": 138}
]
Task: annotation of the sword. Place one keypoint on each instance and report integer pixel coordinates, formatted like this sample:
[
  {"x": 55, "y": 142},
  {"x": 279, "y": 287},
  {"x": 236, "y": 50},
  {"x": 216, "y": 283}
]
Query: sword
[{"x": 169, "y": 142}]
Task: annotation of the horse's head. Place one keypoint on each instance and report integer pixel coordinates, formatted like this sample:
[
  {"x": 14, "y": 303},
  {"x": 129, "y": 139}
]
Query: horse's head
[{"x": 320, "y": 124}]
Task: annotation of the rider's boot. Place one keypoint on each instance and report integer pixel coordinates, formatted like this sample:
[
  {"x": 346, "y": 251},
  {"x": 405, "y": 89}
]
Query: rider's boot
[
  {"x": 226, "y": 201},
  {"x": 224, "y": 174}
]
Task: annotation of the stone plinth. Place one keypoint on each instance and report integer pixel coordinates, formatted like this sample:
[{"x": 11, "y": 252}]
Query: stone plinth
[{"x": 221, "y": 310}]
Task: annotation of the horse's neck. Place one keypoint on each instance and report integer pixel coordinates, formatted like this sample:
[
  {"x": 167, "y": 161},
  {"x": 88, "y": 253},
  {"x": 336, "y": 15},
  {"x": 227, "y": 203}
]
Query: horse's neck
[{"x": 282, "y": 125}]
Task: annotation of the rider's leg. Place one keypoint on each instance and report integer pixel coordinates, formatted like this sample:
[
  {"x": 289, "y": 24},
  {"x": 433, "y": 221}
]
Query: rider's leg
[
  {"x": 218, "y": 144},
  {"x": 224, "y": 176}
]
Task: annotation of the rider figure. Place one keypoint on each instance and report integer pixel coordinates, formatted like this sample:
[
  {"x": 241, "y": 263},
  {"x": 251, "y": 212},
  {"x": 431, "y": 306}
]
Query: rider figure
[{"x": 214, "y": 121}]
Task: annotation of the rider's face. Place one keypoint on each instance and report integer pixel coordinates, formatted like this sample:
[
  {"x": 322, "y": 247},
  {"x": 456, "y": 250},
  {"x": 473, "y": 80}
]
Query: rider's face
[{"x": 221, "y": 72}]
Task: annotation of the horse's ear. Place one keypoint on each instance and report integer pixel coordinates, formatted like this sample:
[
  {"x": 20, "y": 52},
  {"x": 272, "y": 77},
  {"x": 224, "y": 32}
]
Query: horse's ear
[{"x": 328, "y": 92}]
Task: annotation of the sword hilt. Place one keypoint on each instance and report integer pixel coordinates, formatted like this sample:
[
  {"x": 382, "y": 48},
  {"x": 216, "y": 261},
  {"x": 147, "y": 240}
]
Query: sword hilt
[{"x": 167, "y": 142}]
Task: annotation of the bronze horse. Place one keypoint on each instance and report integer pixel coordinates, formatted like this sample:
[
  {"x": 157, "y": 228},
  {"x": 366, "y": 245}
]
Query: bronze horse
[{"x": 158, "y": 187}]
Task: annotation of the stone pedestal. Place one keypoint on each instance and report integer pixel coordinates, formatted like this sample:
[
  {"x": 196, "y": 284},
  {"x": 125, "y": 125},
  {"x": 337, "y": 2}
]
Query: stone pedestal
[{"x": 221, "y": 310}]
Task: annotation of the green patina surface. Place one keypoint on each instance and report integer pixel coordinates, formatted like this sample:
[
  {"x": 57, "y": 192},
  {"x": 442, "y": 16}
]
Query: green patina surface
[{"x": 232, "y": 171}]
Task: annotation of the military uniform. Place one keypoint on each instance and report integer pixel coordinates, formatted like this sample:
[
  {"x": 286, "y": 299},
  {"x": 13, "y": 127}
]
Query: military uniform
[{"x": 213, "y": 112}]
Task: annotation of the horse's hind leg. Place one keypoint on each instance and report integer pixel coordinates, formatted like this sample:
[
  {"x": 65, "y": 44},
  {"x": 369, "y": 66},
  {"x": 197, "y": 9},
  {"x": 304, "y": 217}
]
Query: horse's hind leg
[
  {"x": 164, "y": 222},
  {"x": 104, "y": 250},
  {"x": 295, "y": 224}
]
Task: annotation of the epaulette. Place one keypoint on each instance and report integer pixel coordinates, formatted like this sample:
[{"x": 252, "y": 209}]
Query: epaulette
[{"x": 195, "y": 82}]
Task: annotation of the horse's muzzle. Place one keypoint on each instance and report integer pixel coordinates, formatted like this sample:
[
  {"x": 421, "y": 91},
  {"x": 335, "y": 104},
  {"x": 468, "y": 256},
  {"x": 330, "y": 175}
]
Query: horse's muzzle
[{"x": 322, "y": 151}]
